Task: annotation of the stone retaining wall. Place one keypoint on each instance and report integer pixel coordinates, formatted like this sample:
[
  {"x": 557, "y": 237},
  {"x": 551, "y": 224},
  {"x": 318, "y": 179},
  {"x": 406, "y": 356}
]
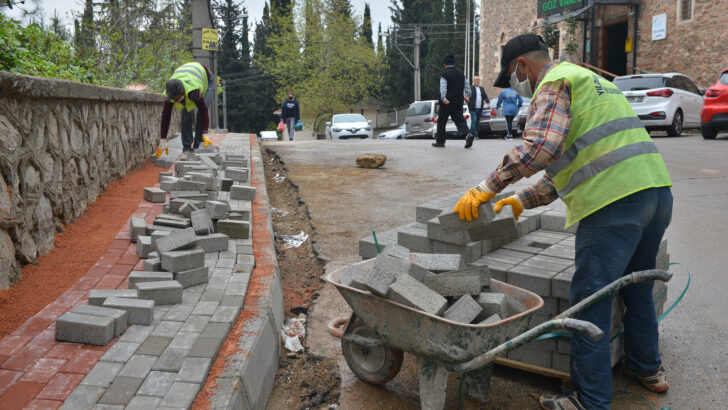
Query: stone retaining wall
[{"x": 61, "y": 144}]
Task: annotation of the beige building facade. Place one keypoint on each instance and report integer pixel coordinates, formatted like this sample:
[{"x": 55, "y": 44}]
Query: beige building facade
[{"x": 614, "y": 37}]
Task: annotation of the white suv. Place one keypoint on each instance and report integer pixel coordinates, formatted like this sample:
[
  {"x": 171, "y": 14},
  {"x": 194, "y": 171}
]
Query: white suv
[{"x": 667, "y": 102}]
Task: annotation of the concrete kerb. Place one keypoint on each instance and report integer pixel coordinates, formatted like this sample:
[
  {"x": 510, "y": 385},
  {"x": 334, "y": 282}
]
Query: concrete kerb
[{"x": 243, "y": 373}]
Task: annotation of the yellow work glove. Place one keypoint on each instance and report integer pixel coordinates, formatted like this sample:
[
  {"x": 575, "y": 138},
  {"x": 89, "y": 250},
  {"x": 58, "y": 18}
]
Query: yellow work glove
[
  {"x": 513, "y": 201},
  {"x": 467, "y": 206},
  {"x": 158, "y": 151},
  {"x": 206, "y": 140}
]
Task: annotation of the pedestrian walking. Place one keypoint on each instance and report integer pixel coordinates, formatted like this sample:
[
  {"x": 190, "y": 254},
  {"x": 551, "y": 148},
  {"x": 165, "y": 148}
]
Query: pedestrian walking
[
  {"x": 189, "y": 89},
  {"x": 478, "y": 102},
  {"x": 511, "y": 102},
  {"x": 290, "y": 114},
  {"x": 454, "y": 90},
  {"x": 599, "y": 159}
]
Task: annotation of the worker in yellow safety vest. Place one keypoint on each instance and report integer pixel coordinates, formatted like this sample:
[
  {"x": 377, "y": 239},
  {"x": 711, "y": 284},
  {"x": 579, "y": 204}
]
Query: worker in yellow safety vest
[
  {"x": 189, "y": 88},
  {"x": 599, "y": 159}
]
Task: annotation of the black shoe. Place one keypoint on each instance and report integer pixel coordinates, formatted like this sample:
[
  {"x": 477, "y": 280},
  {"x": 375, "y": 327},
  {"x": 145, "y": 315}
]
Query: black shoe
[
  {"x": 469, "y": 140},
  {"x": 186, "y": 149},
  {"x": 438, "y": 145}
]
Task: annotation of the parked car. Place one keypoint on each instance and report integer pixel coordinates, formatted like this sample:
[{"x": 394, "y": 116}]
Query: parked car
[
  {"x": 670, "y": 102},
  {"x": 714, "y": 116},
  {"x": 494, "y": 123},
  {"x": 345, "y": 126},
  {"x": 421, "y": 120},
  {"x": 395, "y": 134}
]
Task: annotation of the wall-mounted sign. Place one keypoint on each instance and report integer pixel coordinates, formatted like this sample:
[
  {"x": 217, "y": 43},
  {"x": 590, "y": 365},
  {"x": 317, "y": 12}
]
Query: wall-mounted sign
[
  {"x": 659, "y": 26},
  {"x": 549, "y": 7},
  {"x": 209, "y": 39},
  {"x": 628, "y": 45}
]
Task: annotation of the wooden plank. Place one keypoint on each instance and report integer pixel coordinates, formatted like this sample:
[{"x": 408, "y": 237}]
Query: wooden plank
[{"x": 531, "y": 368}]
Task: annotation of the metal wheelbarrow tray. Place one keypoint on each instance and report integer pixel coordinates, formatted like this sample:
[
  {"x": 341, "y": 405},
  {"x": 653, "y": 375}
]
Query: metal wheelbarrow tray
[{"x": 379, "y": 330}]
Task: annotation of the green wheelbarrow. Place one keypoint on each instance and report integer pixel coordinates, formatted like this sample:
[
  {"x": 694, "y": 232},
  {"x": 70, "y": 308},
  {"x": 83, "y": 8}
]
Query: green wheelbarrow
[{"x": 380, "y": 330}]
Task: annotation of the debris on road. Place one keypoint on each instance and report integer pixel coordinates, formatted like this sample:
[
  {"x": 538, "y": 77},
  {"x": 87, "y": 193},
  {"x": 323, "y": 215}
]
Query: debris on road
[
  {"x": 279, "y": 178},
  {"x": 293, "y": 330},
  {"x": 371, "y": 160},
  {"x": 292, "y": 241},
  {"x": 279, "y": 213}
]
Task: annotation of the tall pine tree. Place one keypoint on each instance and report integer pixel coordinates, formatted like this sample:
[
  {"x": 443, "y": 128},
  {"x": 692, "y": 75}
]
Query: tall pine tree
[{"x": 366, "y": 27}]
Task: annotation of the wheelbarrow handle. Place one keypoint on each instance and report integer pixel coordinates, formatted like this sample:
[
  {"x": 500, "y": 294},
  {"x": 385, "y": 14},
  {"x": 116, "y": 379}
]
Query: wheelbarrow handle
[
  {"x": 635, "y": 277},
  {"x": 572, "y": 325}
]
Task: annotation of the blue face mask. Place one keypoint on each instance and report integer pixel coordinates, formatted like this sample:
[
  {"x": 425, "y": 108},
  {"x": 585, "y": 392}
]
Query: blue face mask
[{"x": 521, "y": 87}]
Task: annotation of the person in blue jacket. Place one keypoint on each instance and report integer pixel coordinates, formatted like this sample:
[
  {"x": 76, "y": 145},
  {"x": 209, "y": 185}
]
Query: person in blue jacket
[
  {"x": 511, "y": 102},
  {"x": 290, "y": 114}
]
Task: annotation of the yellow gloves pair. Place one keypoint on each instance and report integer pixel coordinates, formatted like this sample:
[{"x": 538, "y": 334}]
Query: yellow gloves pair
[
  {"x": 158, "y": 151},
  {"x": 467, "y": 206}
]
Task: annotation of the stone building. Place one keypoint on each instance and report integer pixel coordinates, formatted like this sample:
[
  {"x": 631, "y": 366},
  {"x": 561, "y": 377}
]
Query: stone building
[{"x": 615, "y": 36}]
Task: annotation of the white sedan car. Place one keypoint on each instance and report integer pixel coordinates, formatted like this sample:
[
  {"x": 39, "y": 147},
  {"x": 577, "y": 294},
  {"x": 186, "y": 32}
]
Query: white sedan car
[
  {"x": 669, "y": 102},
  {"x": 345, "y": 126},
  {"x": 395, "y": 134}
]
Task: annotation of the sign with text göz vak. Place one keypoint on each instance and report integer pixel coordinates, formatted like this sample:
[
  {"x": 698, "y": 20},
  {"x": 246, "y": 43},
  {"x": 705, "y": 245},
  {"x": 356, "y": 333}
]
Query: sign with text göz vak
[
  {"x": 549, "y": 7},
  {"x": 209, "y": 39}
]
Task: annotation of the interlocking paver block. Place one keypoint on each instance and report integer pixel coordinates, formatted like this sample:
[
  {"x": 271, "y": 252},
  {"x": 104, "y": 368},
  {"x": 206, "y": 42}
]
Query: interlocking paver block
[
  {"x": 397, "y": 251},
  {"x": 137, "y": 227},
  {"x": 138, "y": 366},
  {"x": 414, "y": 238},
  {"x": 102, "y": 374},
  {"x": 144, "y": 246},
  {"x": 384, "y": 273},
  {"x": 180, "y": 395},
  {"x": 162, "y": 293},
  {"x": 214, "y": 242},
  {"x": 143, "y": 403},
  {"x": 246, "y": 193},
  {"x": 439, "y": 262},
  {"x": 121, "y": 391},
  {"x": 156, "y": 235},
  {"x": 493, "y": 303},
  {"x": 355, "y": 277},
  {"x": 192, "y": 277},
  {"x": 138, "y": 276},
  {"x": 216, "y": 209},
  {"x": 237, "y": 174},
  {"x": 504, "y": 223},
  {"x": 157, "y": 383},
  {"x": 139, "y": 311},
  {"x": 194, "y": 370},
  {"x": 470, "y": 252},
  {"x": 437, "y": 232},
  {"x": 464, "y": 310},
  {"x": 152, "y": 265},
  {"x": 561, "y": 283},
  {"x": 548, "y": 262},
  {"x": 455, "y": 283},
  {"x": 411, "y": 292},
  {"x": 155, "y": 195},
  {"x": 183, "y": 239},
  {"x": 201, "y": 222},
  {"x": 536, "y": 280},
  {"x": 556, "y": 221},
  {"x": 491, "y": 319},
  {"x": 76, "y": 328},
  {"x": 98, "y": 296},
  {"x": 451, "y": 220},
  {"x": 183, "y": 260},
  {"x": 208, "y": 179},
  {"x": 233, "y": 229},
  {"x": 119, "y": 316}
]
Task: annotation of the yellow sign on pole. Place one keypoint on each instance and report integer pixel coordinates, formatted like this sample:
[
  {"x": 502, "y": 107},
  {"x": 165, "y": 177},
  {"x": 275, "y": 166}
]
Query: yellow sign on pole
[
  {"x": 209, "y": 39},
  {"x": 628, "y": 45}
]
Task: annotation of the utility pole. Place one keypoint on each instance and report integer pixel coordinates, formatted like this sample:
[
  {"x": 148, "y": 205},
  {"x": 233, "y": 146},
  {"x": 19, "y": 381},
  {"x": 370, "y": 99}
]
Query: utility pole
[
  {"x": 224, "y": 105},
  {"x": 202, "y": 18},
  {"x": 418, "y": 37},
  {"x": 467, "y": 42}
]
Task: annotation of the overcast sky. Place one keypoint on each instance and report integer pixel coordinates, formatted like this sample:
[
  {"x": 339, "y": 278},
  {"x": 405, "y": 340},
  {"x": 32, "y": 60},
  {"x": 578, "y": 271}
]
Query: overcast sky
[{"x": 380, "y": 10}]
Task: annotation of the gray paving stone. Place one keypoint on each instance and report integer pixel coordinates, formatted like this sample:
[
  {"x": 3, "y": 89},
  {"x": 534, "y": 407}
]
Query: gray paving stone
[
  {"x": 415, "y": 239},
  {"x": 428, "y": 210},
  {"x": 233, "y": 228},
  {"x": 548, "y": 262},
  {"x": 217, "y": 283},
  {"x": 154, "y": 345},
  {"x": 498, "y": 269},
  {"x": 523, "y": 245},
  {"x": 464, "y": 310},
  {"x": 451, "y": 220},
  {"x": 229, "y": 300},
  {"x": 183, "y": 260},
  {"x": 508, "y": 256},
  {"x": 139, "y": 276},
  {"x": 155, "y": 195},
  {"x": 102, "y": 374},
  {"x": 384, "y": 272},
  {"x": 455, "y": 283},
  {"x": 184, "y": 340},
  {"x": 157, "y": 383},
  {"x": 491, "y": 319},
  {"x": 98, "y": 296},
  {"x": 135, "y": 334},
  {"x": 170, "y": 360},
  {"x": 214, "y": 242},
  {"x": 245, "y": 193},
  {"x": 225, "y": 314},
  {"x": 216, "y": 209},
  {"x": 410, "y": 292},
  {"x": 83, "y": 397},
  {"x": 531, "y": 278},
  {"x": 162, "y": 293},
  {"x": 543, "y": 237},
  {"x": 82, "y": 328},
  {"x": 470, "y": 252},
  {"x": 206, "y": 308},
  {"x": 205, "y": 347},
  {"x": 139, "y": 311},
  {"x": 439, "y": 262},
  {"x": 143, "y": 403},
  {"x": 120, "y": 352},
  {"x": 201, "y": 222},
  {"x": 237, "y": 174},
  {"x": 504, "y": 223},
  {"x": 216, "y": 330},
  {"x": 493, "y": 303},
  {"x": 179, "y": 313},
  {"x": 236, "y": 289},
  {"x": 561, "y": 283},
  {"x": 190, "y": 296},
  {"x": 153, "y": 265},
  {"x": 167, "y": 328},
  {"x": 138, "y": 366},
  {"x": 121, "y": 390},
  {"x": 194, "y": 370},
  {"x": 183, "y": 239},
  {"x": 354, "y": 276},
  {"x": 213, "y": 295},
  {"x": 180, "y": 395},
  {"x": 560, "y": 251},
  {"x": 119, "y": 316},
  {"x": 144, "y": 246},
  {"x": 437, "y": 232},
  {"x": 137, "y": 227},
  {"x": 556, "y": 221}
]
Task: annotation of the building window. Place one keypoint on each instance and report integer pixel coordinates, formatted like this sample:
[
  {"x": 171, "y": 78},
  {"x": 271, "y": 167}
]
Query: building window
[{"x": 684, "y": 10}]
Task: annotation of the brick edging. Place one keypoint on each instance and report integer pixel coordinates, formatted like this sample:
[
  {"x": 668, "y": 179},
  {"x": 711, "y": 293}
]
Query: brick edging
[{"x": 243, "y": 373}]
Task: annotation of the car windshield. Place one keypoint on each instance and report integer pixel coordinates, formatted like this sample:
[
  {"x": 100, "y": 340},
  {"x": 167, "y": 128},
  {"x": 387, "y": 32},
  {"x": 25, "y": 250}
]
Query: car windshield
[
  {"x": 639, "y": 83},
  {"x": 419, "y": 108},
  {"x": 724, "y": 78},
  {"x": 349, "y": 118}
]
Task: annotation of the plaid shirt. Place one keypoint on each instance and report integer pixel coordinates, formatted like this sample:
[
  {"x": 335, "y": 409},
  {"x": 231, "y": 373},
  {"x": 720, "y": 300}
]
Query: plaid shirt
[{"x": 544, "y": 136}]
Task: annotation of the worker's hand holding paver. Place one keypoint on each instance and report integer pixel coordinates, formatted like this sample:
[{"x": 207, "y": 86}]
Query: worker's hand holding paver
[
  {"x": 513, "y": 201},
  {"x": 467, "y": 206}
]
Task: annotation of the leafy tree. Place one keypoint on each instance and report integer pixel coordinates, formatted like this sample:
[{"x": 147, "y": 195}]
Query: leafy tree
[
  {"x": 366, "y": 27},
  {"x": 57, "y": 27}
]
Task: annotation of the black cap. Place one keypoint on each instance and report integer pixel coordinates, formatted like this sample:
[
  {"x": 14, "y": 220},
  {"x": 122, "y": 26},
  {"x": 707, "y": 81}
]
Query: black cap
[
  {"x": 516, "y": 47},
  {"x": 174, "y": 88},
  {"x": 449, "y": 59}
]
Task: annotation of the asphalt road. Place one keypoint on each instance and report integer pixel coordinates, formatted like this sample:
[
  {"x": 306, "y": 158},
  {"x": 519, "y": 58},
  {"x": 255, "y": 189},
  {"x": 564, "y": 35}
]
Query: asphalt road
[{"x": 345, "y": 201}]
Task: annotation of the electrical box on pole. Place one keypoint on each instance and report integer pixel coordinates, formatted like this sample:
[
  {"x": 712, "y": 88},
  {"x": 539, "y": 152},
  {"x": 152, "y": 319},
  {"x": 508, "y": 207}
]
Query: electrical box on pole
[{"x": 204, "y": 47}]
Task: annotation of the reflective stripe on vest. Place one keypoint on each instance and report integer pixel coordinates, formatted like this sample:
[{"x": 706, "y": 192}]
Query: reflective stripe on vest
[
  {"x": 192, "y": 76},
  {"x": 608, "y": 154}
]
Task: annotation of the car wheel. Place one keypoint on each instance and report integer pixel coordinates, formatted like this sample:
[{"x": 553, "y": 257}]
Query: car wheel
[
  {"x": 677, "y": 123},
  {"x": 709, "y": 133}
]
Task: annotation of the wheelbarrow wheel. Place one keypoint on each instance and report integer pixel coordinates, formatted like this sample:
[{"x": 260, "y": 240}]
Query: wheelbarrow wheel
[{"x": 373, "y": 365}]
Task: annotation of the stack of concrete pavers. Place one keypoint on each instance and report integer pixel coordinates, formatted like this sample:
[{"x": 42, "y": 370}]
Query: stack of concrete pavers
[{"x": 538, "y": 255}]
